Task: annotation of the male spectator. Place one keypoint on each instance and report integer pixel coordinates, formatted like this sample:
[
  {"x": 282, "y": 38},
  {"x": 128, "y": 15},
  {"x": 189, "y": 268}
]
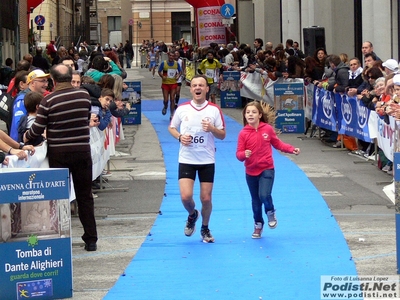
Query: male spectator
[
  {"x": 391, "y": 66},
  {"x": 62, "y": 52},
  {"x": 229, "y": 59},
  {"x": 298, "y": 51},
  {"x": 169, "y": 70},
  {"x": 163, "y": 47},
  {"x": 39, "y": 61},
  {"x": 212, "y": 69},
  {"x": 88, "y": 48},
  {"x": 269, "y": 46},
  {"x": 52, "y": 49},
  {"x": 258, "y": 44},
  {"x": 28, "y": 57},
  {"x": 366, "y": 48},
  {"x": 68, "y": 61},
  {"x": 355, "y": 76},
  {"x": 128, "y": 53},
  {"x": 68, "y": 142},
  {"x": 7, "y": 72},
  {"x": 37, "y": 81},
  {"x": 338, "y": 85},
  {"x": 289, "y": 47},
  {"x": 196, "y": 136},
  {"x": 76, "y": 79},
  {"x": 369, "y": 59},
  {"x": 341, "y": 74}
]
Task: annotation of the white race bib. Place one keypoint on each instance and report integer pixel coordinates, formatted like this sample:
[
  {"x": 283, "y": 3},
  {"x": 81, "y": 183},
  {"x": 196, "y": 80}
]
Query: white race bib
[
  {"x": 210, "y": 73},
  {"x": 171, "y": 73}
]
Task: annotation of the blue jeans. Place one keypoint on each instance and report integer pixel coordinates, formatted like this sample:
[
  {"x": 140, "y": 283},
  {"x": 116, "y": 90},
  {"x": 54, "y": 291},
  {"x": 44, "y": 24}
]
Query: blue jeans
[
  {"x": 260, "y": 190},
  {"x": 128, "y": 61}
]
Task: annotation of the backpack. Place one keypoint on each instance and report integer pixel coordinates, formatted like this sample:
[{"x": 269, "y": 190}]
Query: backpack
[{"x": 6, "y": 105}]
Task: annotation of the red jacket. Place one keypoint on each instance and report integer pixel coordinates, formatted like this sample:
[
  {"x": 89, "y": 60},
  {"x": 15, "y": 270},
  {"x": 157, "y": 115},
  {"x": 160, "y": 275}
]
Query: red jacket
[{"x": 259, "y": 141}]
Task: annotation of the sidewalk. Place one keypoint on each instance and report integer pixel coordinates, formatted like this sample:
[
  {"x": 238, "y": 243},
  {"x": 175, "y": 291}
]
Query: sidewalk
[{"x": 127, "y": 208}]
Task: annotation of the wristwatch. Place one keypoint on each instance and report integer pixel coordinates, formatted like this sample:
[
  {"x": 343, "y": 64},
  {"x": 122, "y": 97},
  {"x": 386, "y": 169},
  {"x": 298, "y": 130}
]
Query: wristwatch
[
  {"x": 21, "y": 145},
  {"x": 179, "y": 138}
]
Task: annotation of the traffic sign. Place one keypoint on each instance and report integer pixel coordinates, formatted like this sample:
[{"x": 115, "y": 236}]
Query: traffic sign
[
  {"x": 227, "y": 10},
  {"x": 39, "y": 20},
  {"x": 227, "y": 21},
  {"x": 130, "y": 22}
]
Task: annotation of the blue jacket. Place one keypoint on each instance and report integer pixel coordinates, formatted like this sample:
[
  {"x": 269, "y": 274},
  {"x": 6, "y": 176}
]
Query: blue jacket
[{"x": 18, "y": 111}]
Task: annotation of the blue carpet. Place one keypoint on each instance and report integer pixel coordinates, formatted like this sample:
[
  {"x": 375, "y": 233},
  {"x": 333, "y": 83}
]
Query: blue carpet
[{"x": 286, "y": 263}]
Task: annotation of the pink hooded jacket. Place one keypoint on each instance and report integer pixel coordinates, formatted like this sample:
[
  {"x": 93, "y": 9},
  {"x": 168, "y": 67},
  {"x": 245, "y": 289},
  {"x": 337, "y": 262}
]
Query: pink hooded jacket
[{"x": 259, "y": 141}]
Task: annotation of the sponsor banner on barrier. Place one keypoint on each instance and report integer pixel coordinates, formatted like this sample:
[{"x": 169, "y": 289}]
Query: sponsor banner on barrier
[
  {"x": 35, "y": 234},
  {"x": 324, "y": 112},
  {"x": 289, "y": 96},
  {"x": 352, "y": 117},
  {"x": 230, "y": 90},
  {"x": 133, "y": 95},
  {"x": 290, "y": 121},
  {"x": 386, "y": 136}
]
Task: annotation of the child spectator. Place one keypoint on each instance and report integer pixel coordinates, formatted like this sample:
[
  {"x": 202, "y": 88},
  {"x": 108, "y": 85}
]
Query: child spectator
[{"x": 31, "y": 102}]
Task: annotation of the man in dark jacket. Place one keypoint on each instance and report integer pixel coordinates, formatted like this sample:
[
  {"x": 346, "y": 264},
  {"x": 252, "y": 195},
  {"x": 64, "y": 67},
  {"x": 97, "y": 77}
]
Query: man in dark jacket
[
  {"x": 341, "y": 74},
  {"x": 39, "y": 61},
  {"x": 128, "y": 53}
]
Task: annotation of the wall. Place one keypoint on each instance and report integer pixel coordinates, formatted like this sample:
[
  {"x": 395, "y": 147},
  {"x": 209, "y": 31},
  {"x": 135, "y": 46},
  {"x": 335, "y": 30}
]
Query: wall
[{"x": 246, "y": 28}]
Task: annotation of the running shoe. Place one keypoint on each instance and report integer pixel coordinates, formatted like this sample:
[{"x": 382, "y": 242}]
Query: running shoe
[
  {"x": 164, "y": 111},
  {"x": 207, "y": 236},
  {"x": 190, "y": 227}
]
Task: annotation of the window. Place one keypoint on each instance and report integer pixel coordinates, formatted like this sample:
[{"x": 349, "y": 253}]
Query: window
[{"x": 114, "y": 23}]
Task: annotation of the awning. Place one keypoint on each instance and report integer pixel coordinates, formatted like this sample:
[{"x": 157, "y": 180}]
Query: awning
[
  {"x": 205, "y": 3},
  {"x": 32, "y": 4}
]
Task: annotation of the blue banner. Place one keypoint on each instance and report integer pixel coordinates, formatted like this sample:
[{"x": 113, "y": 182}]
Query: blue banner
[
  {"x": 289, "y": 100},
  {"x": 34, "y": 185},
  {"x": 133, "y": 95},
  {"x": 35, "y": 235},
  {"x": 396, "y": 166},
  {"x": 352, "y": 117},
  {"x": 230, "y": 90},
  {"x": 324, "y": 112},
  {"x": 290, "y": 121}
]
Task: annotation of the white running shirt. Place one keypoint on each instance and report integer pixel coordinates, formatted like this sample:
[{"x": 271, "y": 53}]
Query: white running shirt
[{"x": 187, "y": 119}]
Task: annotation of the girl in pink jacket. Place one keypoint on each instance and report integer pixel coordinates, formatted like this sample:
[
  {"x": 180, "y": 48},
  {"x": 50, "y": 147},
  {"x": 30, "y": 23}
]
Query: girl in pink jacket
[{"x": 254, "y": 148}]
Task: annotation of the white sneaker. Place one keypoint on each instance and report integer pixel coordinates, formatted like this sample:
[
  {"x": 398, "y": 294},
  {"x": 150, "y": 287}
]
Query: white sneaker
[
  {"x": 272, "y": 221},
  {"x": 106, "y": 173},
  {"x": 258, "y": 228}
]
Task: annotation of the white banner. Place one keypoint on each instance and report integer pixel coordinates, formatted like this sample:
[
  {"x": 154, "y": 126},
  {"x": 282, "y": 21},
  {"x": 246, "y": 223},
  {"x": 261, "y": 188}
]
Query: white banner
[
  {"x": 385, "y": 135},
  {"x": 210, "y": 28}
]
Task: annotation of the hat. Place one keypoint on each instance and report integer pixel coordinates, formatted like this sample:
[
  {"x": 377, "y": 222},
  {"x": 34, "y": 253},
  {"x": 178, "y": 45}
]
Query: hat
[
  {"x": 36, "y": 74},
  {"x": 396, "y": 79},
  {"x": 391, "y": 64},
  {"x": 107, "y": 47}
]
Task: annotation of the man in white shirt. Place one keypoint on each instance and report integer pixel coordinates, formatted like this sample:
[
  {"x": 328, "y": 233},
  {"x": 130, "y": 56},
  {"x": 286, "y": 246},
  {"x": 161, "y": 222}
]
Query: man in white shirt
[{"x": 195, "y": 125}]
